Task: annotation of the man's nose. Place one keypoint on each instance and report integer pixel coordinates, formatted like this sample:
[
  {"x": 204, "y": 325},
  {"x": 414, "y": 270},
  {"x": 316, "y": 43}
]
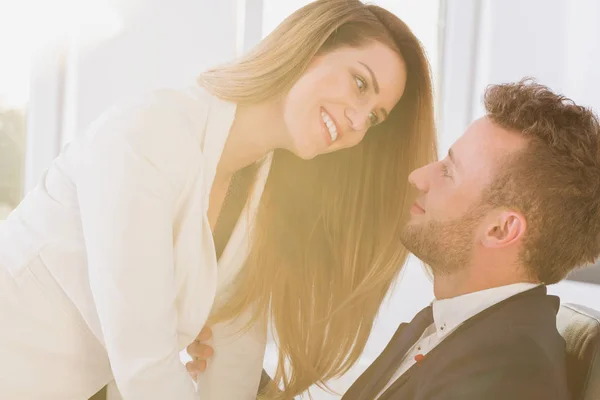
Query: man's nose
[{"x": 418, "y": 178}]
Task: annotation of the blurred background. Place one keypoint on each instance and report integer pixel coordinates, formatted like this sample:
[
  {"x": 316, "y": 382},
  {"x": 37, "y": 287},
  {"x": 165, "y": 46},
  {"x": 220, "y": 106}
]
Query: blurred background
[{"x": 63, "y": 62}]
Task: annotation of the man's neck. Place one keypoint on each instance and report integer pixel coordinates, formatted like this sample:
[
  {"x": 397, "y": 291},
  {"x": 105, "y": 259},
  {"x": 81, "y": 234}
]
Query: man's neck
[{"x": 446, "y": 286}]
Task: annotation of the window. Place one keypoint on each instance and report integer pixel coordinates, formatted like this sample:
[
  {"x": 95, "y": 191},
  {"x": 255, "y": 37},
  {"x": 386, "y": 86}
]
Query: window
[
  {"x": 422, "y": 17},
  {"x": 33, "y": 49},
  {"x": 12, "y": 156},
  {"x": 275, "y": 11},
  {"x": 14, "y": 89}
]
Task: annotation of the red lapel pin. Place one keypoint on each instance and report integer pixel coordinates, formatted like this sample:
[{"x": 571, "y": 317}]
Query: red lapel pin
[{"x": 419, "y": 358}]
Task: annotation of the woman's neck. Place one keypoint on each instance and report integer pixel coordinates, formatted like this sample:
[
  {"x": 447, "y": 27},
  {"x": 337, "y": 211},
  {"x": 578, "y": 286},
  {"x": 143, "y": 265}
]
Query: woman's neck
[{"x": 256, "y": 131}]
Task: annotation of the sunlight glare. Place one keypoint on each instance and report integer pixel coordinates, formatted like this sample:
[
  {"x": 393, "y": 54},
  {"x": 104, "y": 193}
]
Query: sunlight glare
[{"x": 28, "y": 27}]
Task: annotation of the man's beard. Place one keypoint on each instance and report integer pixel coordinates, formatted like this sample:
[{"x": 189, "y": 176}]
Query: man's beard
[{"x": 446, "y": 247}]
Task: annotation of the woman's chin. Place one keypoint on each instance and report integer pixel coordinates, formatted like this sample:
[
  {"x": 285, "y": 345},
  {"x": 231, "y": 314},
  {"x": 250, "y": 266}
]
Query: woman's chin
[
  {"x": 307, "y": 157},
  {"x": 305, "y": 152}
]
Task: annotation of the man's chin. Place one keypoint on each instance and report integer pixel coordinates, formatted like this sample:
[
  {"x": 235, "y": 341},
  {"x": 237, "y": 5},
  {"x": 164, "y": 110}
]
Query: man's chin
[
  {"x": 411, "y": 239},
  {"x": 418, "y": 240},
  {"x": 414, "y": 225}
]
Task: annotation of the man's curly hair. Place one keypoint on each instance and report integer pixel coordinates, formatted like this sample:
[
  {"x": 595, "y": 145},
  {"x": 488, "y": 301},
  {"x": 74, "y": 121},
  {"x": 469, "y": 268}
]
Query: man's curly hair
[{"x": 554, "y": 181}]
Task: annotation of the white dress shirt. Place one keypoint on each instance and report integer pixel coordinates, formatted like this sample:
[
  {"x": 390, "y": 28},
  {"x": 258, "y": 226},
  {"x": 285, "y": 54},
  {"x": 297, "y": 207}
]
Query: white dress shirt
[{"x": 449, "y": 314}]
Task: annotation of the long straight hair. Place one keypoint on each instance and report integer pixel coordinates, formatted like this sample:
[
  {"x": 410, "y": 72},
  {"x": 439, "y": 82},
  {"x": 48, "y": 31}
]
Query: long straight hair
[{"x": 325, "y": 245}]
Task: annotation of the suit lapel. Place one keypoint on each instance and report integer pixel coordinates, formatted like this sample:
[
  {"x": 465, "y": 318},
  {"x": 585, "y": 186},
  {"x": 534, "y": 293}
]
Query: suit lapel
[
  {"x": 363, "y": 381},
  {"x": 401, "y": 381},
  {"x": 398, "y": 383}
]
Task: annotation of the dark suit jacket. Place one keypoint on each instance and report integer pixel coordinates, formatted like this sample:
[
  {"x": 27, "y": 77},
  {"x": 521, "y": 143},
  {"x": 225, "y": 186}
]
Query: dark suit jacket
[{"x": 511, "y": 351}]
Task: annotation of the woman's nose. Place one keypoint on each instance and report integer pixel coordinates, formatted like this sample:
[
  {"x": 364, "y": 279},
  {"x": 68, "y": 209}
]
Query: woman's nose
[{"x": 357, "y": 118}]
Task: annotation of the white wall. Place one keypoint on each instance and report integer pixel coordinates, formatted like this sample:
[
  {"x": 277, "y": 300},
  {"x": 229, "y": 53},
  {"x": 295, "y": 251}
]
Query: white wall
[
  {"x": 522, "y": 38},
  {"x": 162, "y": 44},
  {"x": 555, "y": 41},
  {"x": 128, "y": 48},
  {"x": 582, "y": 52}
]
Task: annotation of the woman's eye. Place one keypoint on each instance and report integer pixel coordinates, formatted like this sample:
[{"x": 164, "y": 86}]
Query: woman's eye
[
  {"x": 374, "y": 119},
  {"x": 360, "y": 83}
]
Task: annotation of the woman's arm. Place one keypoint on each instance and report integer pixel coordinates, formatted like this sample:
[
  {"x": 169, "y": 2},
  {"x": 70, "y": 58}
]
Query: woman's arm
[
  {"x": 234, "y": 370},
  {"x": 201, "y": 352},
  {"x": 133, "y": 169}
]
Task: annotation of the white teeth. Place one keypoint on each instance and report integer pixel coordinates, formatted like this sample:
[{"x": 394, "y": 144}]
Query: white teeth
[{"x": 330, "y": 125}]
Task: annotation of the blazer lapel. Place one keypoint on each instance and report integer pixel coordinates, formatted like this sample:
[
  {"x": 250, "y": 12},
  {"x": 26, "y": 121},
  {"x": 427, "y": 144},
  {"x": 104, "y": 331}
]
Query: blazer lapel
[
  {"x": 237, "y": 248},
  {"x": 219, "y": 120},
  {"x": 193, "y": 242}
]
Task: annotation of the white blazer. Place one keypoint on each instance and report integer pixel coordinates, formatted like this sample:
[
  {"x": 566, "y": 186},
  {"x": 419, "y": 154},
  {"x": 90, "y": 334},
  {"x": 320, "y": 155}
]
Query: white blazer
[{"x": 108, "y": 267}]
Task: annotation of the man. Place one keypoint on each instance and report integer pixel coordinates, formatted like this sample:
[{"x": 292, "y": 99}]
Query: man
[{"x": 513, "y": 207}]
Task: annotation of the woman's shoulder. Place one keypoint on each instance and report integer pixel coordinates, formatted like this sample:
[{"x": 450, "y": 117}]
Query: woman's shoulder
[
  {"x": 183, "y": 109},
  {"x": 165, "y": 127}
]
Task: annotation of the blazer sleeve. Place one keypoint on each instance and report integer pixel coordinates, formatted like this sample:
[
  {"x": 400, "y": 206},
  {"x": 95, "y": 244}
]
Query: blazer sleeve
[
  {"x": 500, "y": 374},
  {"x": 234, "y": 372},
  {"x": 134, "y": 165}
]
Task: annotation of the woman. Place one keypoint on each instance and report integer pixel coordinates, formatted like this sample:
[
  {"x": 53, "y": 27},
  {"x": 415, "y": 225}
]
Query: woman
[{"x": 109, "y": 267}]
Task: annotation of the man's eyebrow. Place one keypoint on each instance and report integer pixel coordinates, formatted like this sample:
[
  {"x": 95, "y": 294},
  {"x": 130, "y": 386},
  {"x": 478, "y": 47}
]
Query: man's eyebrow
[{"x": 451, "y": 156}]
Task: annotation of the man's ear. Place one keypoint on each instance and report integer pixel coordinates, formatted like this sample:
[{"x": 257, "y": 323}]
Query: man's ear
[{"x": 505, "y": 229}]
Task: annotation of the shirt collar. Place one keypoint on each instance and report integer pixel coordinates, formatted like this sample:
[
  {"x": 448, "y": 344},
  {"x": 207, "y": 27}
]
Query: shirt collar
[{"x": 448, "y": 314}]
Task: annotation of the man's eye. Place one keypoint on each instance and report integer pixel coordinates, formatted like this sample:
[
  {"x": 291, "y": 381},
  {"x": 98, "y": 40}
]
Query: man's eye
[{"x": 445, "y": 171}]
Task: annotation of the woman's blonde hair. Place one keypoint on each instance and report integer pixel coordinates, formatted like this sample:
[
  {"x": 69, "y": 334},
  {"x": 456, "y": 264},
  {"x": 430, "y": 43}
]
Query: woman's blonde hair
[{"x": 325, "y": 247}]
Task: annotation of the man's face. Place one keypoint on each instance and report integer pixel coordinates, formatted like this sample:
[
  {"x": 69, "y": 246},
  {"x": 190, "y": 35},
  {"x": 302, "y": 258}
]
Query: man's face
[{"x": 446, "y": 218}]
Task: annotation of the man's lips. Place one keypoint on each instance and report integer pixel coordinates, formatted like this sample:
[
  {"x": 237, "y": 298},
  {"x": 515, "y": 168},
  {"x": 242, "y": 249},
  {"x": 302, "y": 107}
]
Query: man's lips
[{"x": 416, "y": 208}]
